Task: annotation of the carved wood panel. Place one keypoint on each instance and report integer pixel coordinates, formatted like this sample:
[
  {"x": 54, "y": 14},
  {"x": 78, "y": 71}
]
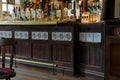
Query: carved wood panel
[
  {"x": 62, "y": 53},
  {"x": 40, "y": 51},
  {"x": 23, "y": 49}
]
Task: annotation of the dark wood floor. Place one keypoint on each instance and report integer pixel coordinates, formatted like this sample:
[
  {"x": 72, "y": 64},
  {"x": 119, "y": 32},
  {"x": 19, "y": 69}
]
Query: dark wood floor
[{"x": 30, "y": 73}]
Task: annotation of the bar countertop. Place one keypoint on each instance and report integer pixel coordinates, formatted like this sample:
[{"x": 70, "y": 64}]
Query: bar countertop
[
  {"x": 41, "y": 22},
  {"x": 28, "y": 23}
]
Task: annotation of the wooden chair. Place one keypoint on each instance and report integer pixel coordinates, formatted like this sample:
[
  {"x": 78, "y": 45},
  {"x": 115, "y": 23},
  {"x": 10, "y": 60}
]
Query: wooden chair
[{"x": 7, "y": 46}]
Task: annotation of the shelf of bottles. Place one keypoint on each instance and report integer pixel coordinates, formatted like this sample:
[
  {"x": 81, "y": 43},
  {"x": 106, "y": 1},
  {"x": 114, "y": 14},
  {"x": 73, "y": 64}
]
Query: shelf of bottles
[
  {"x": 90, "y": 10},
  {"x": 44, "y": 10},
  {"x": 58, "y": 10},
  {"x": 55, "y": 10}
]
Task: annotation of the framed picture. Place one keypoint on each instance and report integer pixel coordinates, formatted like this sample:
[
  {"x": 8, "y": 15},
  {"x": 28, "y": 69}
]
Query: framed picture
[{"x": 11, "y": 1}]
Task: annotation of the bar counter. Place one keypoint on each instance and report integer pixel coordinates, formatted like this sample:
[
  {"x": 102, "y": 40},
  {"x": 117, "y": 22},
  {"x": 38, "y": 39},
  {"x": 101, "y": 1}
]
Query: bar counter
[
  {"x": 61, "y": 44},
  {"x": 48, "y": 42}
]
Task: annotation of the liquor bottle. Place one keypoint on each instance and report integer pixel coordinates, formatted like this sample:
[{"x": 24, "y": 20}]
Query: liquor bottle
[
  {"x": 30, "y": 9},
  {"x": 33, "y": 14},
  {"x": 49, "y": 10},
  {"x": 61, "y": 4},
  {"x": 70, "y": 8},
  {"x": 38, "y": 14},
  {"x": 14, "y": 10},
  {"x": 13, "y": 14},
  {"x": 30, "y": 0},
  {"x": 58, "y": 13},
  {"x": 22, "y": 14},
  {"x": 56, "y": 4},
  {"x": 66, "y": 10},
  {"x": 24, "y": 1},
  {"x": 52, "y": 11},
  {"x": 18, "y": 12},
  {"x": 42, "y": 15},
  {"x": 27, "y": 14},
  {"x": 72, "y": 2}
]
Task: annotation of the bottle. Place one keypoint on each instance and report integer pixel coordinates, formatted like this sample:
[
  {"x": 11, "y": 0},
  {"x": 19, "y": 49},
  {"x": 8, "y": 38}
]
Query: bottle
[
  {"x": 33, "y": 14},
  {"x": 13, "y": 14},
  {"x": 27, "y": 14},
  {"x": 18, "y": 12},
  {"x": 38, "y": 13},
  {"x": 65, "y": 12},
  {"x": 22, "y": 14},
  {"x": 42, "y": 15}
]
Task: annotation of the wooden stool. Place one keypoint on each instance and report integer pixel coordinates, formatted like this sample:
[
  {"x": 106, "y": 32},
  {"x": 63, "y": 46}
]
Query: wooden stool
[{"x": 7, "y": 45}]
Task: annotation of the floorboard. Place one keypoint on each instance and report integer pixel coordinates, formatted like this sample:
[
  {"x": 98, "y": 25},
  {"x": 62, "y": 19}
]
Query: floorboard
[{"x": 31, "y": 73}]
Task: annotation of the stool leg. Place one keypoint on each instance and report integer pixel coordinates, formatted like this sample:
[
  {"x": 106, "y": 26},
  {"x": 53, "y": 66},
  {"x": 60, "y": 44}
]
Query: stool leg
[
  {"x": 63, "y": 71},
  {"x": 15, "y": 56},
  {"x": 15, "y": 61},
  {"x": 53, "y": 69},
  {"x": 8, "y": 79}
]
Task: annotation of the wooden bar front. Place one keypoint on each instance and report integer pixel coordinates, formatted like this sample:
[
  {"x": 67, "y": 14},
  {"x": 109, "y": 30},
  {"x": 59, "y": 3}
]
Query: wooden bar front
[
  {"x": 48, "y": 43},
  {"x": 74, "y": 48}
]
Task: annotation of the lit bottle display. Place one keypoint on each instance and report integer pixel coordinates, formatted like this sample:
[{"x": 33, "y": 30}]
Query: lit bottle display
[{"x": 58, "y": 10}]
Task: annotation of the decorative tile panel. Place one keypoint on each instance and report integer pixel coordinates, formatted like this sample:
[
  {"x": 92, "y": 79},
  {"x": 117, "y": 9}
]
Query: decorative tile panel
[
  {"x": 21, "y": 35},
  {"x": 6, "y": 34},
  {"x": 89, "y": 37},
  {"x": 62, "y": 36},
  {"x": 68, "y": 36},
  {"x": 97, "y": 37},
  {"x": 40, "y": 35},
  {"x": 93, "y": 37},
  {"x": 82, "y": 36}
]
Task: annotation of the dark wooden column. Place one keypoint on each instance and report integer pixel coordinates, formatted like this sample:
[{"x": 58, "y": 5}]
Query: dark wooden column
[{"x": 108, "y": 9}]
